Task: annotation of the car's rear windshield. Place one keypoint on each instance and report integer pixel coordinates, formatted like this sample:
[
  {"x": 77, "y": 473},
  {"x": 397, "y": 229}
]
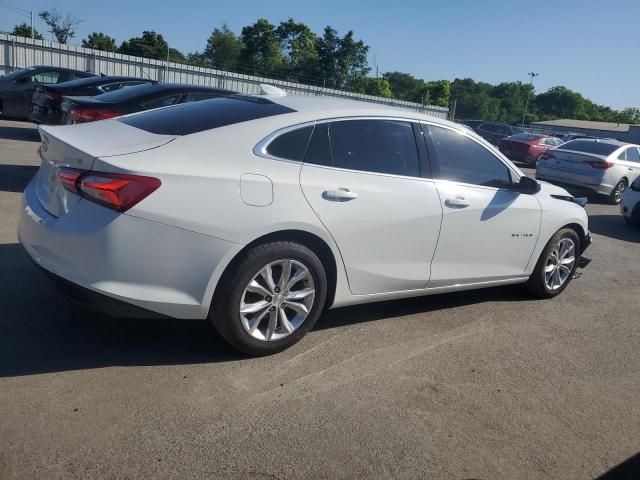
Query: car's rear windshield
[
  {"x": 204, "y": 115},
  {"x": 126, "y": 94},
  {"x": 525, "y": 136},
  {"x": 590, "y": 146}
]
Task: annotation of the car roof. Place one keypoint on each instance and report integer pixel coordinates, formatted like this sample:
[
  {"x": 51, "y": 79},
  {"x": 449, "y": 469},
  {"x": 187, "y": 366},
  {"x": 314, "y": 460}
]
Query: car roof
[
  {"x": 328, "y": 107},
  {"x": 61, "y": 69},
  {"x": 608, "y": 141},
  {"x": 100, "y": 80}
]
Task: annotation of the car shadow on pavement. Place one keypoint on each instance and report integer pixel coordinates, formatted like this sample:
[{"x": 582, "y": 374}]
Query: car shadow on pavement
[
  {"x": 614, "y": 226},
  {"x": 627, "y": 470},
  {"x": 42, "y": 332},
  {"x": 14, "y": 178},
  {"x": 27, "y": 133}
]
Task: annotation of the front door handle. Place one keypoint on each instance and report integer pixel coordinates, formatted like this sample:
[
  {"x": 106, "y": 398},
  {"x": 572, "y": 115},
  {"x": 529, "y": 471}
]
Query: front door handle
[
  {"x": 457, "y": 202},
  {"x": 339, "y": 195}
]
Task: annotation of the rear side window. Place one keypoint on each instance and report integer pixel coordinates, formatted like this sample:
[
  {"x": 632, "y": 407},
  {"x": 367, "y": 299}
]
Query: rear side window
[
  {"x": 460, "y": 159},
  {"x": 165, "y": 101},
  {"x": 192, "y": 117},
  {"x": 631, "y": 155},
  {"x": 291, "y": 145},
  {"x": 590, "y": 146}
]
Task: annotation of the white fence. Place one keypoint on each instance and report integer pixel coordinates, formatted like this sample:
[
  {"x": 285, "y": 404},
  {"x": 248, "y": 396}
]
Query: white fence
[{"x": 19, "y": 52}]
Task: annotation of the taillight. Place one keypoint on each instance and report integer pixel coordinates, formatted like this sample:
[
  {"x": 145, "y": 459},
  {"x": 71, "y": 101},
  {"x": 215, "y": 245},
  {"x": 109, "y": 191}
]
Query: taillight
[
  {"x": 547, "y": 156},
  {"x": 53, "y": 95},
  {"x": 118, "y": 191},
  {"x": 80, "y": 115},
  {"x": 600, "y": 164}
]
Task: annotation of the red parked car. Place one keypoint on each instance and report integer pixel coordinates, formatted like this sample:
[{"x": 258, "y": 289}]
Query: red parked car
[{"x": 527, "y": 147}]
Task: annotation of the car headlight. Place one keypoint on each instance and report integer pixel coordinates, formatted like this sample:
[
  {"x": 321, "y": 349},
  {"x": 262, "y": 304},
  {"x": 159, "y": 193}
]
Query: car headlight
[{"x": 636, "y": 185}]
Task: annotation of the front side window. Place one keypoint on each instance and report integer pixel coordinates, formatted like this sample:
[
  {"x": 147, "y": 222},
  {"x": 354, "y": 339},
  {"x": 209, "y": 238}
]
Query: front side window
[
  {"x": 380, "y": 146},
  {"x": 460, "y": 159}
]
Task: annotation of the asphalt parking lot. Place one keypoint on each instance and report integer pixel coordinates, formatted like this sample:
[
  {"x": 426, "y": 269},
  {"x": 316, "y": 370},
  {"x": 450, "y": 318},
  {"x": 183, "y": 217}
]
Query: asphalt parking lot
[{"x": 473, "y": 385}]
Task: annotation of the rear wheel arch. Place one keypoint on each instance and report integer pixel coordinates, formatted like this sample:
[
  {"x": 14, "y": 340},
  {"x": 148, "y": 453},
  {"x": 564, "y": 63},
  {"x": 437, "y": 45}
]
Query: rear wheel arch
[{"x": 309, "y": 240}]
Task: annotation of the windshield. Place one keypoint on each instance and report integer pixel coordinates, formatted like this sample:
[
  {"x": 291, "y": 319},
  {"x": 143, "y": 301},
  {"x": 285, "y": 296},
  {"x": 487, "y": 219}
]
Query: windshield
[{"x": 17, "y": 74}]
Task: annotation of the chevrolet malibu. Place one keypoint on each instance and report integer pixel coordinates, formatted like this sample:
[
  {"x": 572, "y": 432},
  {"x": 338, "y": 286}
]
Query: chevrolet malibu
[{"x": 258, "y": 213}]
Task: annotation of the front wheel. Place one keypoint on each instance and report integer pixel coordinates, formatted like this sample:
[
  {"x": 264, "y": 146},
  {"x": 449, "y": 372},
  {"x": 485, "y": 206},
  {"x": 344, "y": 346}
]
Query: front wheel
[
  {"x": 271, "y": 298},
  {"x": 556, "y": 265}
]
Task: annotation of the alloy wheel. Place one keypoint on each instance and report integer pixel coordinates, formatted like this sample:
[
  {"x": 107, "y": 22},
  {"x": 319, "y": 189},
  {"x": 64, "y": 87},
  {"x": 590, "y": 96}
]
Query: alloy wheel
[
  {"x": 560, "y": 264},
  {"x": 277, "y": 300},
  {"x": 618, "y": 193}
]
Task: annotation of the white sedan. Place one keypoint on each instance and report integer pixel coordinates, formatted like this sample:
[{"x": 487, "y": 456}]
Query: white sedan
[{"x": 258, "y": 212}]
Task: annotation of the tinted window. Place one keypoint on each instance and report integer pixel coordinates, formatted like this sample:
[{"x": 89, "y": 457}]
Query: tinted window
[
  {"x": 110, "y": 86},
  {"x": 382, "y": 146},
  {"x": 291, "y": 145},
  {"x": 47, "y": 77},
  {"x": 125, "y": 94},
  {"x": 162, "y": 101},
  {"x": 460, "y": 159},
  {"x": 193, "y": 117},
  {"x": 590, "y": 146},
  {"x": 488, "y": 127},
  {"x": 319, "y": 150}
]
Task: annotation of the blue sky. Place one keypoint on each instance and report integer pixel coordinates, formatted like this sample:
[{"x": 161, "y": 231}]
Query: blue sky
[{"x": 587, "y": 45}]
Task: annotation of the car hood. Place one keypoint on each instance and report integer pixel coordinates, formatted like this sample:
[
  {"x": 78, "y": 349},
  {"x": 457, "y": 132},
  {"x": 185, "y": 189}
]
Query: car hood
[{"x": 550, "y": 189}]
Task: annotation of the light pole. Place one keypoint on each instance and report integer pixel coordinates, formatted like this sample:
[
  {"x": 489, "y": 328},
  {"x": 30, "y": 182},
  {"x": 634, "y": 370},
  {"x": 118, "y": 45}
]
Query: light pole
[
  {"x": 526, "y": 104},
  {"x": 23, "y": 12}
]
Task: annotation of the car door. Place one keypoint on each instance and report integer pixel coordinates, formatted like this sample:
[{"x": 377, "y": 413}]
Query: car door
[
  {"x": 22, "y": 99},
  {"x": 629, "y": 159},
  {"x": 488, "y": 231},
  {"x": 363, "y": 179}
]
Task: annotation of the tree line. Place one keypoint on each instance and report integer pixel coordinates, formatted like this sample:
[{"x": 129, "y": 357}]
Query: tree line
[{"x": 292, "y": 51}]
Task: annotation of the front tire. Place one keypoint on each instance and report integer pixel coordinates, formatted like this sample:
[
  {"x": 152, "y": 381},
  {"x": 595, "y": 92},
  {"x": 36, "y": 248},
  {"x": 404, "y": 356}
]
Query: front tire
[
  {"x": 556, "y": 265},
  {"x": 271, "y": 298}
]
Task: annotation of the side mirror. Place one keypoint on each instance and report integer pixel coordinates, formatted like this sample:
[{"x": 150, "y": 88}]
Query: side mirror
[{"x": 527, "y": 185}]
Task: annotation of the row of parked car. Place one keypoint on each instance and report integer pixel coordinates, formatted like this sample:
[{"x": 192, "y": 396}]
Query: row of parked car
[
  {"x": 58, "y": 96},
  {"x": 580, "y": 163}
]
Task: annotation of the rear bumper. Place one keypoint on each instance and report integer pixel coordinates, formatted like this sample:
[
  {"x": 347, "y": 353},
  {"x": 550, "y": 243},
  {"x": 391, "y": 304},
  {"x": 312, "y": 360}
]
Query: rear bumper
[
  {"x": 597, "y": 182},
  {"x": 149, "y": 265},
  {"x": 44, "y": 116},
  {"x": 575, "y": 188}
]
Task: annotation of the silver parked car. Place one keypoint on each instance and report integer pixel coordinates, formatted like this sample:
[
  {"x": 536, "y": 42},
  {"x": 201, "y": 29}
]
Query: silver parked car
[{"x": 600, "y": 166}]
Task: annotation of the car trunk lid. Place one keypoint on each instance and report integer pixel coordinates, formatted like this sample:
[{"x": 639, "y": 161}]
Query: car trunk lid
[
  {"x": 570, "y": 161},
  {"x": 77, "y": 147}
]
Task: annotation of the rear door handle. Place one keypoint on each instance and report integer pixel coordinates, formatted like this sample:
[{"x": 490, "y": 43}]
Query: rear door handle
[
  {"x": 457, "y": 202},
  {"x": 339, "y": 195}
]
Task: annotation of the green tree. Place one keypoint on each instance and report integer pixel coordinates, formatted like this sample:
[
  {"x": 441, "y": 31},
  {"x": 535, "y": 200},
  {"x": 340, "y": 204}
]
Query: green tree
[
  {"x": 474, "y": 99},
  {"x": 341, "y": 61},
  {"x": 404, "y": 86},
  {"x": 298, "y": 50},
  {"x": 223, "y": 48},
  {"x": 151, "y": 45},
  {"x": 63, "y": 27},
  {"x": 437, "y": 92},
  {"x": 100, "y": 41},
  {"x": 24, "y": 30},
  {"x": 372, "y": 86},
  {"x": 261, "y": 49}
]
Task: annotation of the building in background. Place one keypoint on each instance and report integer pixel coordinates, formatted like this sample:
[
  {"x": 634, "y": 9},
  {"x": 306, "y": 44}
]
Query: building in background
[{"x": 620, "y": 131}]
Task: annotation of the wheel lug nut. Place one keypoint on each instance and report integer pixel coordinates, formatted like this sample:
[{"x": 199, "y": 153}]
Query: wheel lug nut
[
  {"x": 272, "y": 309},
  {"x": 268, "y": 299},
  {"x": 277, "y": 289}
]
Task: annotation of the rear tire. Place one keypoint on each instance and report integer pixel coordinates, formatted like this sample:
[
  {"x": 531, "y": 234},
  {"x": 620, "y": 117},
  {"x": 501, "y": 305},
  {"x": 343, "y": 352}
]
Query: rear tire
[
  {"x": 615, "y": 197},
  {"x": 554, "y": 269},
  {"x": 257, "y": 293}
]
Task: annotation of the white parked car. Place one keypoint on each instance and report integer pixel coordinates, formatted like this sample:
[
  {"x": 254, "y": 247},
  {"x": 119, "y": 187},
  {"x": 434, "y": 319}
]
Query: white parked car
[
  {"x": 259, "y": 212},
  {"x": 592, "y": 165},
  {"x": 630, "y": 205}
]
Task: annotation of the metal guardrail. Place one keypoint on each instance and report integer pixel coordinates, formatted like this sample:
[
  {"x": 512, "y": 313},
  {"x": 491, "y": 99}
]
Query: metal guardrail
[{"x": 19, "y": 52}]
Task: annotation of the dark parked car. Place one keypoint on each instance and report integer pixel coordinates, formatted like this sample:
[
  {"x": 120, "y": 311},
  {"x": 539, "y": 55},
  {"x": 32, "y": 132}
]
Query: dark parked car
[
  {"x": 47, "y": 99},
  {"x": 494, "y": 132},
  {"x": 16, "y": 88},
  {"x": 527, "y": 147},
  {"x": 135, "y": 99}
]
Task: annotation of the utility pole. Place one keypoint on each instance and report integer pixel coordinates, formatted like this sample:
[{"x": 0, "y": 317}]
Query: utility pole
[
  {"x": 22, "y": 12},
  {"x": 526, "y": 104}
]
